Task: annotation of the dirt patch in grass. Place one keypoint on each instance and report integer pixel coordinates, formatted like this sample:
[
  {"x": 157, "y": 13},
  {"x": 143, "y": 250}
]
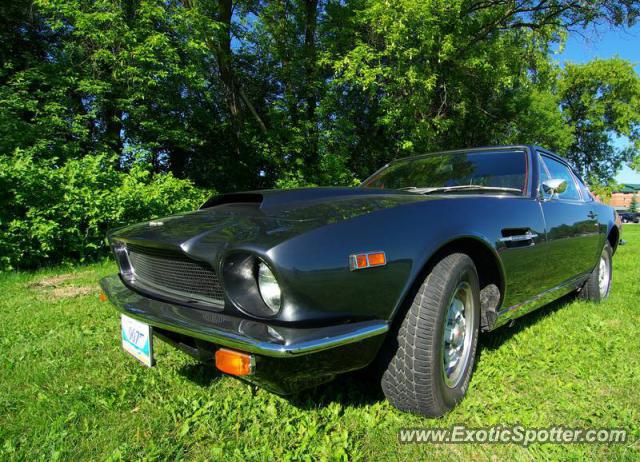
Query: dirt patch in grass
[
  {"x": 71, "y": 291},
  {"x": 52, "y": 281},
  {"x": 60, "y": 286}
]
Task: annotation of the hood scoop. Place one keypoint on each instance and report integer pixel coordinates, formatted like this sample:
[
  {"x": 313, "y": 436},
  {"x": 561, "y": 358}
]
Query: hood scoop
[
  {"x": 275, "y": 200},
  {"x": 240, "y": 198}
]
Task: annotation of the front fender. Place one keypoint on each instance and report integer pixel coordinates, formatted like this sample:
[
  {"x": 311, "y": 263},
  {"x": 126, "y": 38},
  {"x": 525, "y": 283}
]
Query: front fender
[{"x": 313, "y": 268}]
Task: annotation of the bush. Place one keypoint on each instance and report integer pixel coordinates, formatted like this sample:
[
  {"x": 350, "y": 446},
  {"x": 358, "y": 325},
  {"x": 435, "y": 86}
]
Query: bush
[{"x": 51, "y": 213}]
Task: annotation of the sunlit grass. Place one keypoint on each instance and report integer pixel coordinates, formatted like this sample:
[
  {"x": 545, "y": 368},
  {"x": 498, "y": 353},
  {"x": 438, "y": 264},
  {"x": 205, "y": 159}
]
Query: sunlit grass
[{"x": 68, "y": 391}]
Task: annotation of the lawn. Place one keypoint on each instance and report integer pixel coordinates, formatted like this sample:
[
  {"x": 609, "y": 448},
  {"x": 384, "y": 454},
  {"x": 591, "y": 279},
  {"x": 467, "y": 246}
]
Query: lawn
[{"x": 68, "y": 392}]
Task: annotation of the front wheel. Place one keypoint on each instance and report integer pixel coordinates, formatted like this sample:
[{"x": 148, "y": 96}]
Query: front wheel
[
  {"x": 598, "y": 285},
  {"x": 430, "y": 367}
]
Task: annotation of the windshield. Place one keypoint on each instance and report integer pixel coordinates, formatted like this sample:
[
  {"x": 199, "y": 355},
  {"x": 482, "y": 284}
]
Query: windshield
[{"x": 493, "y": 171}]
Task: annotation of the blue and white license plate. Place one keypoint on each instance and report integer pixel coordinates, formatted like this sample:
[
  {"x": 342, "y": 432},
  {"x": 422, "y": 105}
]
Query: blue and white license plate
[{"x": 137, "y": 339}]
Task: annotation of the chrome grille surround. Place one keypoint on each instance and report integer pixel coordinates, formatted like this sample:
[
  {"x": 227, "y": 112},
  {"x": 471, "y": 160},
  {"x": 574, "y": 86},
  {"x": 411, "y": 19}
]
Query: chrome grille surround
[{"x": 172, "y": 273}]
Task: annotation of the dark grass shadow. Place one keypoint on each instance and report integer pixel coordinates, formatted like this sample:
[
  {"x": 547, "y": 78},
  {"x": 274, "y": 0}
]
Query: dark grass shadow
[
  {"x": 362, "y": 388},
  {"x": 353, "y": 389},
  {"x": 495, "y": 339},
  {"x": 201, "y": 373},
  {"x": 358, "y": 388}
]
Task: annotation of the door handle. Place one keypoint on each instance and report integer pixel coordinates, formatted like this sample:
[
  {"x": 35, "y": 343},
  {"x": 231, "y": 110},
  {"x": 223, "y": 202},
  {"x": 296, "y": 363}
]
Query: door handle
[
  {"x": 592, "y": 215},
  {"x": 528, "y": 236}
]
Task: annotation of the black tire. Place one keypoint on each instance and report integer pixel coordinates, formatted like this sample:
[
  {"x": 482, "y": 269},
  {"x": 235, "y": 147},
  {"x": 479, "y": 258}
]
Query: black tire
[
  {"x": 591, "y": 289},
  {"x": 413, "y": 379}
]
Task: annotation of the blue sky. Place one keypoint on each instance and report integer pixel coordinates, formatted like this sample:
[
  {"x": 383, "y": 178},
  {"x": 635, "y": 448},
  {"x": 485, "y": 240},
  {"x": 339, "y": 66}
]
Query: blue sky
[{"x": 606, "y": 43}]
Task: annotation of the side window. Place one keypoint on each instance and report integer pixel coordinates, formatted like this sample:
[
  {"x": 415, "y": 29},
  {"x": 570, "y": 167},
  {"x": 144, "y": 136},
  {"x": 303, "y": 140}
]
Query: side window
[
  {"x": 557, "y": 171},
  {"x": 586, "y": 194},
  {"x": 544, "y": 173}
]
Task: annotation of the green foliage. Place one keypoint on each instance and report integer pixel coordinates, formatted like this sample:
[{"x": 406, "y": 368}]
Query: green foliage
[
  {"x": 633, "y": 207},
  {"x": 601, "y": 101},
  {"x": 603, "y": 190},
  {"x": 540, "y": 121},
  {"x": 429, "y": 75},
  {"x": 240, "y": 94},
  {"x": 433, "y": 79},
  {"x": 51, "y": 212},
  {"x": 320, "y": 91}
]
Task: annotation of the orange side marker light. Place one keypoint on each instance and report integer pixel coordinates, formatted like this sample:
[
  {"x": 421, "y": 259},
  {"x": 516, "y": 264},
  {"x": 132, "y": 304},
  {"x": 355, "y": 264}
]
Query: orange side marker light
[
  {"x": 367, "y": 260},
  {"x": 377, "y": 259},
  {"x": 361, "y": 261},
  {"x": 234, "y": 362}
]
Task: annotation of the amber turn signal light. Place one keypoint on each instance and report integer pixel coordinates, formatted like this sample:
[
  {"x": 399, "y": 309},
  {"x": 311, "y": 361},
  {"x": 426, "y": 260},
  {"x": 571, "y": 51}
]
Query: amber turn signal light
[
  {"x": 233, "y": 362},
  {"x": 367, "y": 260},
  {"x": 377, "y": 259}
]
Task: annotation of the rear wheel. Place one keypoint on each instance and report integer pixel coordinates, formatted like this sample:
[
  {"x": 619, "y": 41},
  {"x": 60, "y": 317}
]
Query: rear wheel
[
  {"x": 430, "y": 367},
  {"x": 598, "y": 285}
]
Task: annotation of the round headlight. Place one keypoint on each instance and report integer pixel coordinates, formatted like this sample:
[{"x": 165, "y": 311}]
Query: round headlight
[{"x": 269, "y": 288}]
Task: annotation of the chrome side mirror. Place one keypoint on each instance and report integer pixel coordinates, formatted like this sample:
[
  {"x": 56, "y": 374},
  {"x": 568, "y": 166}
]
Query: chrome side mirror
[{"x": 553, "y": 187}]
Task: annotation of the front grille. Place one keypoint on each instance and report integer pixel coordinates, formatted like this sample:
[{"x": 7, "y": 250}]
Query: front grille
[{"x": 174, "y": 273}]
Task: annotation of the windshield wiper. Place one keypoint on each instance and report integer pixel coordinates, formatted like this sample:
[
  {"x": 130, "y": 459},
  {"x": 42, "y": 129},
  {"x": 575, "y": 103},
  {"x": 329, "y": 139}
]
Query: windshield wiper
[{"x": 466, "y": 187}]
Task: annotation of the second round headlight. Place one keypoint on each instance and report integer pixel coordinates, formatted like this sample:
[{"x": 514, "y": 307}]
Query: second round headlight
[{"x": 269, "y": 288}]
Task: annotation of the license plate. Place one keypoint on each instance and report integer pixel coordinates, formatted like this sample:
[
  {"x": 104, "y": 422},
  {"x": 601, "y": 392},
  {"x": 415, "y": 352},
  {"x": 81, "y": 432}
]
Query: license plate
[{"x": 137, "y": 340}]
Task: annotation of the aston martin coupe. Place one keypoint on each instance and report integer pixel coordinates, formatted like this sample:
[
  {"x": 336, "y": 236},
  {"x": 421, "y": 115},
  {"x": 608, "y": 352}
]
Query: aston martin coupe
[{"x": 287, "y": 289}]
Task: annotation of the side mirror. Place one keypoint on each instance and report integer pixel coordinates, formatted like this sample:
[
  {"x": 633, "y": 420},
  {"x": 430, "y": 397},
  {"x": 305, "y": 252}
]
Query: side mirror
[{"x": 553, "y": 187}]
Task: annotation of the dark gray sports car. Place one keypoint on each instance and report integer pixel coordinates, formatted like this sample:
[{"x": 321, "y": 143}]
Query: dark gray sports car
[{"x": 287, "y": 289}]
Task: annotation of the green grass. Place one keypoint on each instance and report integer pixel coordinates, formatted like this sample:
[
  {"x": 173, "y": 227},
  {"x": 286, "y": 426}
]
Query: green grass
[{"x": 68, "y": 392}]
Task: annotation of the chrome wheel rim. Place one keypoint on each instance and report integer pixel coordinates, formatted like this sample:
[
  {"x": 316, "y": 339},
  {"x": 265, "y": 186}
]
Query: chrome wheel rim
[
  {"x": 457, "y": 335},
  {"x": 604, "y": 276}
]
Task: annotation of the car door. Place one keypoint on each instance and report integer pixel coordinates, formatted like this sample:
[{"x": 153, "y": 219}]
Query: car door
[{"x": 571, "y": 225}]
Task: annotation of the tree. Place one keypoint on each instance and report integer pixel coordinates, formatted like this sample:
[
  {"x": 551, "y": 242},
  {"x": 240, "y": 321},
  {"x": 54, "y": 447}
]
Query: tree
[
  {"x": 601, "y": 100},
  {"x": 635, "y": 162},
  {"x": 603, "y": 191},
  {"x": 239, "y": 94},
  {"x": 633, "y": 207},
  {"x": 249, "y": 94},
  {"x": 438, "y": 75}
]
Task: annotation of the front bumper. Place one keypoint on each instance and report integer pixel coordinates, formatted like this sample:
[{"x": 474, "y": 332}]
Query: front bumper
[{"x": 287, "y": 358}]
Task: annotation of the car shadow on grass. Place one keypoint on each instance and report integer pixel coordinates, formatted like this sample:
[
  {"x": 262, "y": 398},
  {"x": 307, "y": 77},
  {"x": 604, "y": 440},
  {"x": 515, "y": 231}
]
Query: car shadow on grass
[
  {"x": 201, "y": 373},
  {"x": 362, "y": 388},
  {"x": 494, "y": 340},
  {"x": 354, "y": 389},
  {"x": 358, "y": 388}
]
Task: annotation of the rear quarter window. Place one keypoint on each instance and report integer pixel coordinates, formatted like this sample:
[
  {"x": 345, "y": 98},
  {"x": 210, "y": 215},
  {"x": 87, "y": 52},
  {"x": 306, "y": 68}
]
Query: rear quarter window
[{"x": 551, "y": 169}]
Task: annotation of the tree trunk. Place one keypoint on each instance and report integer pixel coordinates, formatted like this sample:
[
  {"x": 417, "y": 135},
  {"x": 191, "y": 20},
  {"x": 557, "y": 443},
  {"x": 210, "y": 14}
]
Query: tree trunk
[
  {"x": 310, "y": 72},
  {"x": 113, "y": 125},
  {"x": 225, "y": 69}
]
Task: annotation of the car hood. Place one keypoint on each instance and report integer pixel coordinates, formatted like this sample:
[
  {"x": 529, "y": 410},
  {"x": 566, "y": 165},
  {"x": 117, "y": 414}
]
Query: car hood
[{"x": 260, "y": 218}]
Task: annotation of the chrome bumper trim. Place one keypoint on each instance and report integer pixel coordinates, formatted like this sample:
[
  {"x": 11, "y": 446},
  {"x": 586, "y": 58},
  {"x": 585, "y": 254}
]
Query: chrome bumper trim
[{"x": 230, "y": 331}]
